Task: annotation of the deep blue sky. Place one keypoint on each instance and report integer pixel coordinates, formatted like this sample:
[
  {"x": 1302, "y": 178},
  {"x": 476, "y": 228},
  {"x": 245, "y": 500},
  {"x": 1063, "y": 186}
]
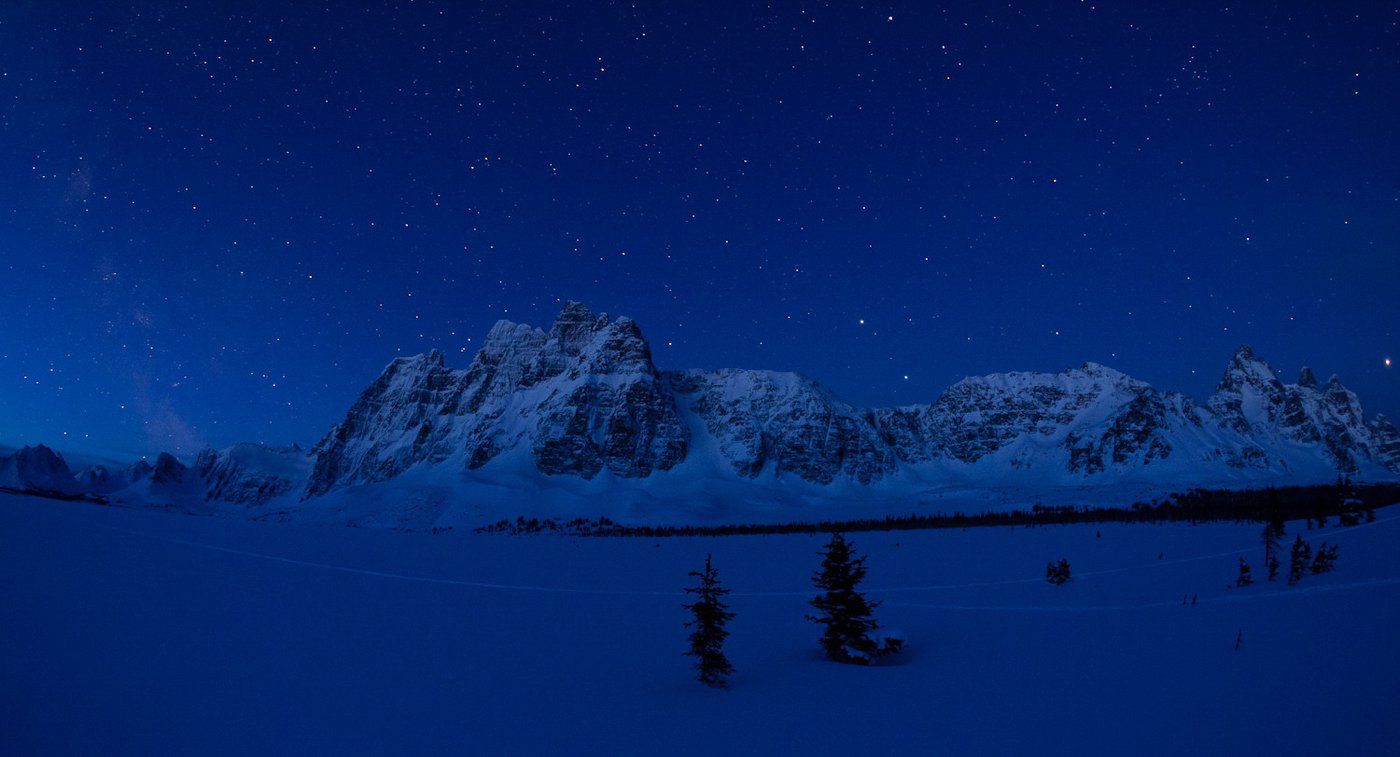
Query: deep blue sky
[{"x": 219, "y": 221}]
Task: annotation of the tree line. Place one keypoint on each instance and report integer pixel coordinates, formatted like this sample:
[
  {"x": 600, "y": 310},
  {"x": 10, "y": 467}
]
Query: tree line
[{"x": 1348, "y": 502}]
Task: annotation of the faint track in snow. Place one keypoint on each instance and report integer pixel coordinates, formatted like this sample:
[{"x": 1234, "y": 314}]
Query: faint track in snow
[
  {"x": 377, "y": 573},
  {"x": 802, "y": 593}
]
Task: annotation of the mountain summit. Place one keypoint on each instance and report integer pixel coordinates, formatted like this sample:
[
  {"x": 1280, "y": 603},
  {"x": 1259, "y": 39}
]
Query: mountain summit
[
  {"x": 581, "y": 398},
  {"x": 580, "y": 411},
  {"x": 584, "y": 399}
]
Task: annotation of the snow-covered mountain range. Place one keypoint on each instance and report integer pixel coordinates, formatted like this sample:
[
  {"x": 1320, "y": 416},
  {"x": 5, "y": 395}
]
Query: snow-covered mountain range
[{"x": 581, "y": 409}]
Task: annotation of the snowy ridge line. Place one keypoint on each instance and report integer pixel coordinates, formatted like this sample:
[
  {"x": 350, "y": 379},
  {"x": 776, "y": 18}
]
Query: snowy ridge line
[{"x": 1240, "y": 597}]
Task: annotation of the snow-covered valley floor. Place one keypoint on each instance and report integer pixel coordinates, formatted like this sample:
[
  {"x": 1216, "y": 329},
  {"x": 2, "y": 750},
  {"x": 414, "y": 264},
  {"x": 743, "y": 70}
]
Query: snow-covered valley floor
[{"x": 130, "y": 632}]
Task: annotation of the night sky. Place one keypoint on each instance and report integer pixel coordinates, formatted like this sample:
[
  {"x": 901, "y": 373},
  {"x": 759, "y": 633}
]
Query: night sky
[{"x": 218, "y": 222}]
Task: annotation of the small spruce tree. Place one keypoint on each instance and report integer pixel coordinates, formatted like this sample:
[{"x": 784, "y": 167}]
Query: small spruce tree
[
  {"x": 849, "y": 635},
  {"x": 1299, "y": 560},
  {"x": 1273, "y": 531},
  {"x": 1245, "y": 578},
  {"x": 710, "y": 615},
  {"x": 1325, "y": 559},
  {"x": 1057, "y": 572}
]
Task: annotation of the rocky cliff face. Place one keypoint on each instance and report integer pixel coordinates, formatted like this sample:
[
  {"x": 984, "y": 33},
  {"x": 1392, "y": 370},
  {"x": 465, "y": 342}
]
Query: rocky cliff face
[
  {"x": 583, "y": 398},
  {"x": 250, "y": 474},
  {"x": 1267, "y": 414},
  {"x": 786, "y": 424},
  {"x": 37, "y": 469},
  {"x": 1385, "y": 442},
  {"x": 1098, "y": 416},
  {"x": 245, "y": 474}
]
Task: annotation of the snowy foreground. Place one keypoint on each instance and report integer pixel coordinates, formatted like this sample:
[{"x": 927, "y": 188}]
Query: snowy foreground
[{"x": 136, "y": 632}]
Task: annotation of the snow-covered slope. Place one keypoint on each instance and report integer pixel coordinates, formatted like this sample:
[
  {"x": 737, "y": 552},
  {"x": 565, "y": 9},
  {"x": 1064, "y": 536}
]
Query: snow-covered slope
[
  {"x": 245, "y": 475},
  {"x": 785, "y": 424},
  {"x": 37, "y": 469},
  {"x": 251, "y": 474},
  {"x": 577, "y": 419},
  {"x": 584, "y": 399},
  {"x": 1090, "y": 420},
  {"x": 137, "y": 633}
]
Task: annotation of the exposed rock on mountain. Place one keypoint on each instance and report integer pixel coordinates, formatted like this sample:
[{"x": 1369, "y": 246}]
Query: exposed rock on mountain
[
  {"x": 1385, "y": 442},
  {"x": 1100, "y": 417},
  {"x": 784, "y": 423},
  {"x": 1253, "y": 402},
  {"x": 582, "y": 400},
  {"x": 168, "y": 470},
  {"x": 582, "y": 397},
  {"x": 37, "y": 469},
  {"x": 251, "y": 474}
]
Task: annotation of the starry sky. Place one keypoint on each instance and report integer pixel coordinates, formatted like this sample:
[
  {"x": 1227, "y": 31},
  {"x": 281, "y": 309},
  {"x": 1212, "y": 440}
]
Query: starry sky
[{"x": 219, "y": 221}]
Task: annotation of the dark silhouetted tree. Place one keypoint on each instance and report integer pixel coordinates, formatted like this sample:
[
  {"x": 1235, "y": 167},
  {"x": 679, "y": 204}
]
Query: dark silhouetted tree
[
  {"x": 1057, "y": 572},
  {"x": 1273, "y": 532},
  {"x": 1299, "y": 560},
  {"x": 707, "y": 638},
  {"x": 1325, "y": 559},
  {"x": 1245, "y": 578},
  {"x": 850, "y": 634}
]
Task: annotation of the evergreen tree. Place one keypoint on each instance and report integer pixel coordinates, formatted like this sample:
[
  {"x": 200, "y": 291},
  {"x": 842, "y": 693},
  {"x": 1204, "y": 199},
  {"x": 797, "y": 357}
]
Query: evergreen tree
[
  {"x": 1273, "y": 531},
  {"x": 707, "y": 640},
  {"x": 1298, "y": 560},
  {"x": 1245, "y": 578},
  {"x": 1057, "y": 572},
  {"x": 849, "y": 635},
  {"x": 1325, "y": 559}
]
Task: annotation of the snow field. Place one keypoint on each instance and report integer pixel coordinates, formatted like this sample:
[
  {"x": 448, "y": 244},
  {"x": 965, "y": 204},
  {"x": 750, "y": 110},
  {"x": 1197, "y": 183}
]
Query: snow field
[{"x": 137, "y": 632}]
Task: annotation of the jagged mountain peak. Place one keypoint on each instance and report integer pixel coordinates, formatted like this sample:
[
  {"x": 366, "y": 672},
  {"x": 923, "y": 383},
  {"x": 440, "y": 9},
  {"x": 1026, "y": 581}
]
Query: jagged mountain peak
[
  {"x": 1079, "y": 379},
  {"x": 1306, "y": 379},
  {"x": 412, "y": 365},
  {"x": 1246, "y": 369},
  {"x": 1098, "y": 369},
  {"x": 168, "y": 470},
  {"x": 577, "y": 312},
  {"x": 584, "y": 396},
  {"x": 432, "y": 359},
  {"x": 575, "y": 326},
  {"x": 38, "y": 468},
  {"x": 506, "y": 333},
  {"x": 582, "y": 399},
  {"x": 577, "y": 343},
  {"x": 749, "y": 382}
]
